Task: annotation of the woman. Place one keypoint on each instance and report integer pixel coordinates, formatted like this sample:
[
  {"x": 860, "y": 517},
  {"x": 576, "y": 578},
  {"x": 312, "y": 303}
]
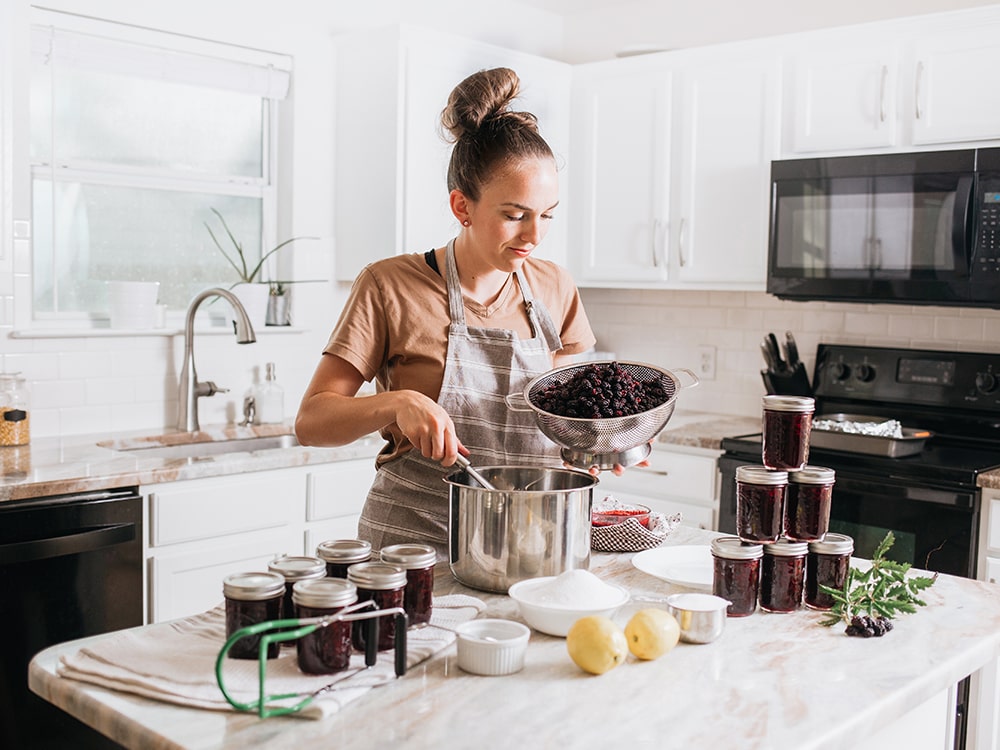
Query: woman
[{"x": 449, "y": 333}]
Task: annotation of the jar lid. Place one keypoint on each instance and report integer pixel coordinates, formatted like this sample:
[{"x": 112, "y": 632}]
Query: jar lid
[
  {"x": 760, "y": 475},
  {"x": 344, "y": 550},
  {"x": 790, "y": 403},
  {"x": 297, "y": 568},
  {"x": 786, "y": 548},
  {"x": 812, "y": 475},
  {"x": 253, "y": 586},
  {"x": 833, "y": 544},
  {"x": 409, "y": 555},
  {"x": 322, "y": 593},
  {"x": 734, "y": 548},
  {"x": 376, "y": 575}
]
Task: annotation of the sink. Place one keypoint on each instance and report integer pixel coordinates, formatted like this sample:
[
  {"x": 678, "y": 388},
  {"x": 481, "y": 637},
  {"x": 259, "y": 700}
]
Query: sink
[{"x": 213, "y": 447}]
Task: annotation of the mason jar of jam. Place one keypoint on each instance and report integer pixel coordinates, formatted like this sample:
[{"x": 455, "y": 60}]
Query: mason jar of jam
[
  {"x": 827, "y": 564},
  {"x": 736, "y": 574},
  {"x": 760, "y": 503},
  {"x": 294, "y": 569},
  {"x": 418, "y": 562},
  {"x": 783, "y": 575},
  {"x": 252, "y": 598},
  {"x": 384, "y": 584},
  {"x": 787, "y": 423},
  {"x": 327, "y": 649},
  {"x": 807, "y": 503},
  {"x": 340, "y": 554}
]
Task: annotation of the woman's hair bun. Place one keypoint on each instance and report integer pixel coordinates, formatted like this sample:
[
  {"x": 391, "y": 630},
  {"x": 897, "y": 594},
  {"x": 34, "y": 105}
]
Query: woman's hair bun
[{"x": 482, "y": 97}]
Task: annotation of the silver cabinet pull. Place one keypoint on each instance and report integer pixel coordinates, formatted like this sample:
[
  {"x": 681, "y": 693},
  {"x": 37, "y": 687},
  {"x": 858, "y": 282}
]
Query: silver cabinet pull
[
  {"x": 656, "y": 233},
  {"x": 680, "y": 244},
  {"x": 881, "y": 93},
  {"x": 916, "y": 88}
]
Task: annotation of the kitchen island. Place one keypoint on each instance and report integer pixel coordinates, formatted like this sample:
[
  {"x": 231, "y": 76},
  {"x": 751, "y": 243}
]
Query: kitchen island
[{"x": 770, "y": 681}]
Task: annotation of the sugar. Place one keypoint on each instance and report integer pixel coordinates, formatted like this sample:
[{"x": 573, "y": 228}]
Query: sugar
[{"x": 575, "y": 588}]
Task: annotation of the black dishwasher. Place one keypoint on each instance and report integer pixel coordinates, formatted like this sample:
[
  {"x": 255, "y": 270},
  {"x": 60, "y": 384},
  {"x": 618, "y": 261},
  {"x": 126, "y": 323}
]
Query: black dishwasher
[{"x": 70, "y": 566}]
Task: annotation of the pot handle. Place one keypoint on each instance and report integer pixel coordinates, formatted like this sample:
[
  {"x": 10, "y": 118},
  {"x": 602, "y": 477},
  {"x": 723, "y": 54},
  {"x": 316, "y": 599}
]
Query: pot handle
[
  {"x": 517, "y": 402},
  {"x": 694, "y": 378}
]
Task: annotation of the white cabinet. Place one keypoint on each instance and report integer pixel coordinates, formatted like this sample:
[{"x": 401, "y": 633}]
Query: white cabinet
[
  {"x": 678, "y": 479},
  {"x": 893, "y": 85},
  {"x": 201, "y": 530},
  {"x": 671, "y": 159},
  {"x": 391, "y": 193}
]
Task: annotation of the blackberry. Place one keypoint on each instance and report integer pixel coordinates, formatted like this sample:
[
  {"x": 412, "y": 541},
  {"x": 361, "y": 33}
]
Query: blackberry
[
  {"x": 866, "y": 626},
  {"x": 601, "y": 391}
]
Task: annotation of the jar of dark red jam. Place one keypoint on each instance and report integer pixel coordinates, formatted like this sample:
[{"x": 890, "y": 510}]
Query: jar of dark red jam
[
  {"x": 327, "y": 649},
  {"x": 827, "y": 564},
  {"x": 736, "y": 575},
  {"x": 295, "y": 569},
  {"x": 787, "y": 423},
  {"x": 252, "y": 598},
  {"x": 760, "y": 503},
  {"x": 807, "y": 503},
  {"x": 418, "y": 562},
  {"x": 340, "y": 554},
  {"x": 384, "y": 584},
  {"x": 783, "y": 575}
]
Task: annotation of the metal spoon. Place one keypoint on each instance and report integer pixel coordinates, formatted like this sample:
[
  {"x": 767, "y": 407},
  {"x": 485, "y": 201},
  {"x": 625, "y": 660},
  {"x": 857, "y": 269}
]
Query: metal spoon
[{"x": 464, "y": 463}]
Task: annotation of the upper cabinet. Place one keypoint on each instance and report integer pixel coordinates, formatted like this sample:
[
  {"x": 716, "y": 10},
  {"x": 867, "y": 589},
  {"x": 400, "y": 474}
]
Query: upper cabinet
[
  {"x": 892, "y": 86},
  {"x": 391, "y": 160},
  {"x": 671, "y": 160}
]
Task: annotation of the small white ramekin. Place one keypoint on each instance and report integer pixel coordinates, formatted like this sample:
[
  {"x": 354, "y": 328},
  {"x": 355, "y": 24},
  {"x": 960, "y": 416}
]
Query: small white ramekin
[{"x": 492, "y": 647}]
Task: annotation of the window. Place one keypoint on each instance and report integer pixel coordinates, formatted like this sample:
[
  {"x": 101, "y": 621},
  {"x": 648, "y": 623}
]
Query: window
[{"x": 136, "y": 136}]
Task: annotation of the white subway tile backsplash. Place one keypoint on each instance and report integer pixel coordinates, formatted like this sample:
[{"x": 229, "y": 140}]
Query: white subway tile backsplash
[
  {"x": 86, "y": 364},
  {"x": 92, "y": 418},
  {"x": 955, "y": 327},
  {"x": 109, "y": 391}
]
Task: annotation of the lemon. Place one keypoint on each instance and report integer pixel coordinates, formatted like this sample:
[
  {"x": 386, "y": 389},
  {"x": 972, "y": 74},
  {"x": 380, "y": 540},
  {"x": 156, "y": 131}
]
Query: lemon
[
  {"x": 651, "y": 633},
  {"x": 596, "y": 644}
]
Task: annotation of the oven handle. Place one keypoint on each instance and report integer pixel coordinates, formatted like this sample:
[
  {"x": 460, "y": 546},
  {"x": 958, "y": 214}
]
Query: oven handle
[
  {"x": 956, "y": 497},
  {"x": 88, "y": 540}
]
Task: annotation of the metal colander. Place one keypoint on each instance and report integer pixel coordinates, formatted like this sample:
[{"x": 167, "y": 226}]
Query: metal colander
[{"x": 586, "y": 437}]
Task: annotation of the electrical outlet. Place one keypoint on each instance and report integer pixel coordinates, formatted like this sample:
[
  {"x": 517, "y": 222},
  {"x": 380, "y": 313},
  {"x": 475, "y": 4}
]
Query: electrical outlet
[{"x": 706, "y": 368}]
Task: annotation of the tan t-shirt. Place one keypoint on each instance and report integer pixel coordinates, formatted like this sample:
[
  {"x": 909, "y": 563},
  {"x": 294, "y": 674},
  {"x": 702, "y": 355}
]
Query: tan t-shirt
[{"x": 394, "y": 327}]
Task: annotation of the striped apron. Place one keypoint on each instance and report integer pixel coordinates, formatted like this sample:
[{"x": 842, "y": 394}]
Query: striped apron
[{"x": 408, "y": 501}]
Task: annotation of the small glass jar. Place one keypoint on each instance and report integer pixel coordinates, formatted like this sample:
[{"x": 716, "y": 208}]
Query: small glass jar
[
  {"x": 736, "y": 574},
  {"x": 787, "y": 423},
  {"x": 15, "y": 414},
  {"x": 807, "y": 503},
  {"x": 328, "y": 649},
  {"x": 252, "y": 598},
  {"x": 783, "y": 575},
  {"x": 418, "y": 562},
  {"x": 827, "y": 564},
  {"x": 384, "y": 584},
  {"x": 760, "y": 503},
  {"x": 340, "y": 554},
  {"x": 295, "y": 568}
]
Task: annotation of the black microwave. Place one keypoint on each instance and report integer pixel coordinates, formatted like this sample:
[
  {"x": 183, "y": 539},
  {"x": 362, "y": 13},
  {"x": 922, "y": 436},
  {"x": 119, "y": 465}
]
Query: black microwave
[{"x": 918, "y": 228}]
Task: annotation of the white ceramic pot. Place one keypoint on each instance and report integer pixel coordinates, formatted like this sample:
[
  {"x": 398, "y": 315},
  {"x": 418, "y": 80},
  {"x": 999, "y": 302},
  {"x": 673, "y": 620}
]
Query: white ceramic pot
[
  {"x": 254, "y": 298},
  {"x": 132, "y": 304}
]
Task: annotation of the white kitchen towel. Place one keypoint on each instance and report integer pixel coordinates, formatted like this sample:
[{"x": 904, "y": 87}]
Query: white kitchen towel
[{"x": 175, "y": 662}]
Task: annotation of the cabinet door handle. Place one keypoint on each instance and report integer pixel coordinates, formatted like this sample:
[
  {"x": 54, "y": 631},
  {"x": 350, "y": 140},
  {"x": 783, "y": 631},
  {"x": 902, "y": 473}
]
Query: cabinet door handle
[
  {"x": 655, "y": 472},
  {"x": 656, "y": 233},
  {"x": 680, "y": 244},
  {"x": 881, "y": 93},
  {"x": 916, "y": 89}
]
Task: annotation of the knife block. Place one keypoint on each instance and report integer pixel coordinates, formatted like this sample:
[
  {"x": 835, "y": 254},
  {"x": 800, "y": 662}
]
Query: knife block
[{"x": 795, "y": 382}]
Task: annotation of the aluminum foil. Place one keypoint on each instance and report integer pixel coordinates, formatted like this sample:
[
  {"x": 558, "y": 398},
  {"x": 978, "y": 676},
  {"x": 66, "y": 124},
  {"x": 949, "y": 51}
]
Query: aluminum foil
[{"x": 890, "y": 428}]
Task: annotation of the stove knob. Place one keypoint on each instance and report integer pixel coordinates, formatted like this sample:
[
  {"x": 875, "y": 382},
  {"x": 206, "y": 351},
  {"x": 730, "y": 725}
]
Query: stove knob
[
  {"x": 865, "y": 373},
  {"x": 839, "y": 371},
  {"x": 986, "y": 382}
]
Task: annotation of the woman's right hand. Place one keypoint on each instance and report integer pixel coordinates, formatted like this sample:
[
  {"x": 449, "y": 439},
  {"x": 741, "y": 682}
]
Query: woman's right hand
[{"x": 427, "y": 426}]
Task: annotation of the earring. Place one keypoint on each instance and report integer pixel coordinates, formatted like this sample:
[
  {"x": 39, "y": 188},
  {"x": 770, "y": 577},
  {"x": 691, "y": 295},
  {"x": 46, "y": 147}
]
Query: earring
[{"x": 466, "y": 223}]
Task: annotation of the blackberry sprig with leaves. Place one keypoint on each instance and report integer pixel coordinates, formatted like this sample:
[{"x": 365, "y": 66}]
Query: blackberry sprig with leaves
[{"x": 870, "y": 598}]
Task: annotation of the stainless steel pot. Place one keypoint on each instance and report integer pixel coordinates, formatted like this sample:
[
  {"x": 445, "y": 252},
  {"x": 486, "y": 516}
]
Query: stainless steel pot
[{"x": 535, "y": 523}]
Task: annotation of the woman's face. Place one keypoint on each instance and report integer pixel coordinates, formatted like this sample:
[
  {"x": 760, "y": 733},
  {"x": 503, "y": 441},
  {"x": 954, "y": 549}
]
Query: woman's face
[{"x": 513, "y": 212}]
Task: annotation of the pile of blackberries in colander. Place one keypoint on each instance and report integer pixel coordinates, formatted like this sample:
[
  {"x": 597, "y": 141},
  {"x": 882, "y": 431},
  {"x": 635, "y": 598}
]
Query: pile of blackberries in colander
[{"x": 603, "y": 407}]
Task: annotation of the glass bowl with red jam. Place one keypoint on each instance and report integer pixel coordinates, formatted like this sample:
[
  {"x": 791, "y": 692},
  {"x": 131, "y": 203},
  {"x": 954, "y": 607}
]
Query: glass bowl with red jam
[{"x": 614, "y": 516}]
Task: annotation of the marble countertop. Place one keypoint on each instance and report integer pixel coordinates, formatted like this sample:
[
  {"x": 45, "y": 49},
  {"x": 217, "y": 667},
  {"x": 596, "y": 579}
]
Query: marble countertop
[
  {"x": 770, "y": 680},
  {"x": 56, "y": 466}
]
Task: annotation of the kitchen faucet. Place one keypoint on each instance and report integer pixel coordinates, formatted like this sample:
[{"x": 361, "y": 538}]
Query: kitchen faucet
[{"x": 190, "y": 389}]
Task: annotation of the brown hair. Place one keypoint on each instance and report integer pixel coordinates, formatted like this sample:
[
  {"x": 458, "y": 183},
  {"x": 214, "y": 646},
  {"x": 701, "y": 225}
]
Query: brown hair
[{"x": 487, "y": 134}]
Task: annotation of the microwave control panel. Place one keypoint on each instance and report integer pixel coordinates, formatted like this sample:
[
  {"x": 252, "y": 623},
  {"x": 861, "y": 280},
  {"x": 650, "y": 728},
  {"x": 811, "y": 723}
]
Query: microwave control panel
[{"x": 987, "y": 241}]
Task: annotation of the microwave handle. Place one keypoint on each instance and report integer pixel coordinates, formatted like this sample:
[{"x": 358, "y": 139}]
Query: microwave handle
[{"x": 964, "y": 226}]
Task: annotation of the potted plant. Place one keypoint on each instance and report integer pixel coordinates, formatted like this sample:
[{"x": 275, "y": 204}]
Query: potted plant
[{"x": 258, "y": 295}]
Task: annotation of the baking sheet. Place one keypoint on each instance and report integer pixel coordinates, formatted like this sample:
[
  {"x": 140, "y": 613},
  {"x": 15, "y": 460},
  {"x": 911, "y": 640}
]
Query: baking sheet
[{"x": 911, "y": 443}]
